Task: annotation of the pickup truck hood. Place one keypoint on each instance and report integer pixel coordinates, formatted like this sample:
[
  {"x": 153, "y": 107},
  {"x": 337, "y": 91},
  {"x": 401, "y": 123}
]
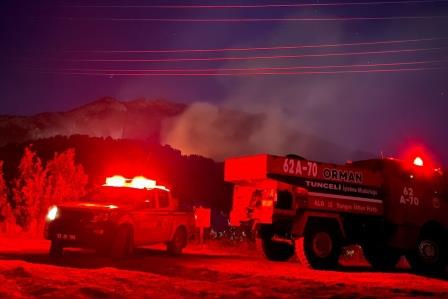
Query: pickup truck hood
[{"x": 91, "y": 206}]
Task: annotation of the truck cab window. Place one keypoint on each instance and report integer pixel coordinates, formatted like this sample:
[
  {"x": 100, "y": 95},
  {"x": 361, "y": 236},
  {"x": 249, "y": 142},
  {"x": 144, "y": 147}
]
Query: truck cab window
[
  {"x": 150, "y": 201},
  {"x": 256, "y": 199},
  {"x": 164, "y": 201},
  {"x": 284, "y": 200}
]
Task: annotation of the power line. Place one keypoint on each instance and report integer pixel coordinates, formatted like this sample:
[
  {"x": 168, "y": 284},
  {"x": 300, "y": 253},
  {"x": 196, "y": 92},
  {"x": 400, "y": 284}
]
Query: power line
[
  {"x": 254, "y": 20},
  {"x": 384, "y": 42},
  {"x": 368, "y": 65},
  {"x": 245, "y": 74},
  {"x": 253, "y": 57},
  {"x": 239, "y": 6}
]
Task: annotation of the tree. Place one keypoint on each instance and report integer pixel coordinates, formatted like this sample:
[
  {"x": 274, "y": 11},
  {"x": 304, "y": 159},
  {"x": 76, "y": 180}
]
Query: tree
[
  {"x": 66, "y": 180},
  {"x": 6, "y": 215},
  {"x": 28, "y": 190}
]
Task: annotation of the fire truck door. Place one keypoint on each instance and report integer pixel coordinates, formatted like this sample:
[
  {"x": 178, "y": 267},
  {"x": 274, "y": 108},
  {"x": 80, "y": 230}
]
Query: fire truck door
[{"x": 407, "y": 200}]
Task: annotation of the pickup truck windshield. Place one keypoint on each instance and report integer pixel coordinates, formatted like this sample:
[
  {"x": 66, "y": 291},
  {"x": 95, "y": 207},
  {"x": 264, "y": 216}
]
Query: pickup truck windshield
[{"x": 122, "y": 195}]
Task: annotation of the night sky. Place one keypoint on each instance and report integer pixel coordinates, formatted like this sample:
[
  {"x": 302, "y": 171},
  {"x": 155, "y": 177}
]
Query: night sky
[{"x": 371, "y": 76}]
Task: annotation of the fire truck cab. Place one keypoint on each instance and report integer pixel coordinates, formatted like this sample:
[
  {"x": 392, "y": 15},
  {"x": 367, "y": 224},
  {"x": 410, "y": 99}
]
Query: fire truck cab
[{"x": 389, "y": 207}]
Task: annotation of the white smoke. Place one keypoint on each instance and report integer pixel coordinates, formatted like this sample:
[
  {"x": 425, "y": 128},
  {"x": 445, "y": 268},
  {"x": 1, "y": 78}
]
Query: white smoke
[{"x": 323, "y": 117}]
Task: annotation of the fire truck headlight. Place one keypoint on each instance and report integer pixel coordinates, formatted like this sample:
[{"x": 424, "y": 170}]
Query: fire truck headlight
[{"x": 52, "y": 213}]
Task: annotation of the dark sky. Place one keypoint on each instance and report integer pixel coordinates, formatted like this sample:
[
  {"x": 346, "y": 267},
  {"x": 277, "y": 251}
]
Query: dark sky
[{"x": 394, "y": 96}]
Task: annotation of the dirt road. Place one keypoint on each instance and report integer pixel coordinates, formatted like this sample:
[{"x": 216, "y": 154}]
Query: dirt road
[{"x": 202, "y": 272}]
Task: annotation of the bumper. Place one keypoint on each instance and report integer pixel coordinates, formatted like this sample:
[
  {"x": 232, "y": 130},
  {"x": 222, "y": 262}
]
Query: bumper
[{"x": 92, "y": 236}]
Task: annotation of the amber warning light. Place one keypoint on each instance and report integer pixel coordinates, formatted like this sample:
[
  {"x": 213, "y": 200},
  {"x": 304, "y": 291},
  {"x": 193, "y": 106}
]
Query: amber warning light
[{"x": 138, "y": 182}]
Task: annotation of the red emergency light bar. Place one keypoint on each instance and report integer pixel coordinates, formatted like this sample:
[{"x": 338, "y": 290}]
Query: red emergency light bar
[{"x": 138, "y": 182}]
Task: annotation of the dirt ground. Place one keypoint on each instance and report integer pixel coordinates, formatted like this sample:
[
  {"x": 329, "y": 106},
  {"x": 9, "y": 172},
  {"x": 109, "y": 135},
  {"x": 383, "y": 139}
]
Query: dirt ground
[{"x": 207, "y": 271}]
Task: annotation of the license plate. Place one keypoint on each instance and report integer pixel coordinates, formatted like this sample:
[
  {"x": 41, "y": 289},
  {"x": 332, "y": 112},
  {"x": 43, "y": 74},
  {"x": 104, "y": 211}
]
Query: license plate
[{"x": 69, "y": 237}]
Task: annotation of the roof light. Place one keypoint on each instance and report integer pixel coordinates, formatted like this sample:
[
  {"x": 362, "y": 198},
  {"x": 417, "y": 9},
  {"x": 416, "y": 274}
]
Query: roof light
[
  {"x": 116, "y": 181},
  {"x": 418, "y": 161},
  {"x": 138, "y": 182},
  {"x": 141, "y": 182}
]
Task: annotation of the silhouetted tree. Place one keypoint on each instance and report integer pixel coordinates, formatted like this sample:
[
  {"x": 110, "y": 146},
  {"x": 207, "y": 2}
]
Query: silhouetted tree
[
  {"x": 66, "y": 180},
  {"x": 6, "y": 215},
  {"x": 29, "y": 190}
]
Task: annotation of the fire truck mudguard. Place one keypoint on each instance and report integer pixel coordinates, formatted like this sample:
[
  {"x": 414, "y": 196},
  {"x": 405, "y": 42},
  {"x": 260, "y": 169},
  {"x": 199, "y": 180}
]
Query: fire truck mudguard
[{"x": 272, "y": 247}]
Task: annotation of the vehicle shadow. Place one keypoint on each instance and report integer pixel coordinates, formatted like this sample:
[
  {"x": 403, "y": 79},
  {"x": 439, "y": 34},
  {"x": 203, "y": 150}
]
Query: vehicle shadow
[
  {"x": 186, "y": 265},
  {"x": 154, "y": 261},
  {"x": 397, "y": 270}
]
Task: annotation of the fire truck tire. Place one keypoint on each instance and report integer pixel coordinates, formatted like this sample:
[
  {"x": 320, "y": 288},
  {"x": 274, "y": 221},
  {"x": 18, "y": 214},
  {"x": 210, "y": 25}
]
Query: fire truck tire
[
  {"x": 122, "y": 244},
  {"x": 381, "y": 258},
  {"x": 430, "y": 254},
  {"x": 320, "y": 247},
  {"x": 274, "y": 251},
  {"x": 178, "y": 242},
  {"x": 56, "y": 249}
]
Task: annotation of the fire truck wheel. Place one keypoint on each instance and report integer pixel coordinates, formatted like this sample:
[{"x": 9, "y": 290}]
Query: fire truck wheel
[
  {"x": 274, "y": 251},
  {"x": 319, "y": 248},
  {"x": 178, "y": 243},
  {"x": 430, "y": 256},
  {"x": 122, "y": 243},
  {"x": 56, "y": 249},
  {"x": 381, "y": 257}
]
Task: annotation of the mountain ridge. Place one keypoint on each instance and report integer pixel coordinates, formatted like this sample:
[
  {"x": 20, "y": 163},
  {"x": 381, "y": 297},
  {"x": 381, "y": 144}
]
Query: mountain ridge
[
  {"x": 148, "y": 119},
  {"x": 104, "y": 117}
]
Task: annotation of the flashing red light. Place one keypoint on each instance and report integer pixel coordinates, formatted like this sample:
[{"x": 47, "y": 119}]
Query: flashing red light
[
  {"x": 141, "y": 182},
  {"x": 138, "y": 182},
  {"x": 418, "y": 162}
]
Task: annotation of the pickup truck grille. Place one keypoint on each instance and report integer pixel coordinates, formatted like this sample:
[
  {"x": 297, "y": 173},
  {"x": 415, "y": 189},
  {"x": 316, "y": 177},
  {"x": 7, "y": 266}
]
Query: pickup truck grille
[{"x": 75, "y": 216}]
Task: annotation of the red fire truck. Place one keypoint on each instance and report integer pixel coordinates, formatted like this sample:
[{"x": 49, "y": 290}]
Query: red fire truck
[{"x": 389, "y": 207}]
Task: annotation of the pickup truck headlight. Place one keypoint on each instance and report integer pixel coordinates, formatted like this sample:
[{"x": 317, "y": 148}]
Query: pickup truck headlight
[{"x": 53, "y": 213}]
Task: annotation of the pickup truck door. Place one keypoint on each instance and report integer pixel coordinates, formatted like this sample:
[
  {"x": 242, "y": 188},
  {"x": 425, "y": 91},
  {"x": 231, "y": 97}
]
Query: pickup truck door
[
  {"x": 144, "y": 221},
  {"x": 163, "y": 217}
]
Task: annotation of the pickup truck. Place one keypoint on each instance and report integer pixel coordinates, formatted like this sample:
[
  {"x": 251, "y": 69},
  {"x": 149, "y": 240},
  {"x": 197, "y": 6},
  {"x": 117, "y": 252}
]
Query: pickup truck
[{"x": 118, "y": 217}]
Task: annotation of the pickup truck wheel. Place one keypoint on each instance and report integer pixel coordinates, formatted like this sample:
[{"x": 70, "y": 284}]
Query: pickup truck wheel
[
  {"x": 273, "y": 250},
  {"x": 430, "y": 254},
  {"x": 178, "y": 243},
  {"x": 319, "y": 248},
  {"x": 122, "y": 244},
  {"x": 381, "y": 257},
  {"x": 56, "y": 249}
]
